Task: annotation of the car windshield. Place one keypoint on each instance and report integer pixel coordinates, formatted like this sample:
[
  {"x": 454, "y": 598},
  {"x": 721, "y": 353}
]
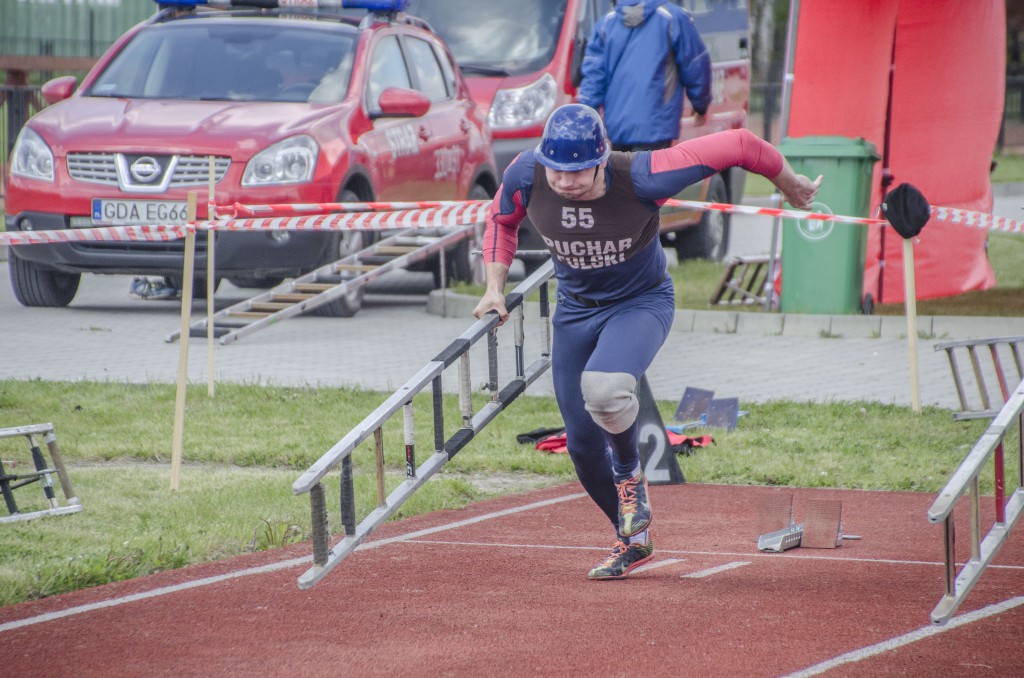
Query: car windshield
[
  {"x": 495, "y": 36},
  {"x": 236, "y": 61}
]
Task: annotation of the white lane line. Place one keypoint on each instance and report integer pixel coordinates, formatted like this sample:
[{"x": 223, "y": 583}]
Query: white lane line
[
  {"x": 700, "y": 574},
  {"x": 912, "y": 637},
  {"x": 264, "y": 569},
  {"x": 717, "y": 554}
]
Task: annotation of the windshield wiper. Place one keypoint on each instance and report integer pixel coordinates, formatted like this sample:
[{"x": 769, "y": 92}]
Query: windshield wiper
[{"x": 483, "y": 70}]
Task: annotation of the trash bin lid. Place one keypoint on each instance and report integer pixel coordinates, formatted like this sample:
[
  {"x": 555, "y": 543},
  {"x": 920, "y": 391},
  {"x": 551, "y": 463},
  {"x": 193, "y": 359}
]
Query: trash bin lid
[{"x": 828, "y": 147}]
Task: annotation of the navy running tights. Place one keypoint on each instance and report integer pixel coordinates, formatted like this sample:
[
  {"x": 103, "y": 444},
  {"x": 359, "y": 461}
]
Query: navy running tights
[{"x": 621, "y": 338}]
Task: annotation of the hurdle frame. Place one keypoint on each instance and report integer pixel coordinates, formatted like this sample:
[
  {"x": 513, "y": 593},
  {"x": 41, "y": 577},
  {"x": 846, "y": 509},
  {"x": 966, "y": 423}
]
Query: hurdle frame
[{"x": 43, "y": 474}]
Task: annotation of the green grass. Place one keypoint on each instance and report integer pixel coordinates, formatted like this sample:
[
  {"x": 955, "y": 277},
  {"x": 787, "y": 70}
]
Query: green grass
[
  {"x": 1009, "y": 168},
  {"x": 244, "y": 449}
]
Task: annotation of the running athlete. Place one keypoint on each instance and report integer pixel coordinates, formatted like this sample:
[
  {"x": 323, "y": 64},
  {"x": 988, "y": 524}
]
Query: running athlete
[{"x": 597, "y": 212}]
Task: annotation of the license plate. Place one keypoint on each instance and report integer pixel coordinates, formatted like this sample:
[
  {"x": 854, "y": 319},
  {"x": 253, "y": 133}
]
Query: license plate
[{"x": 109, "y": 212}]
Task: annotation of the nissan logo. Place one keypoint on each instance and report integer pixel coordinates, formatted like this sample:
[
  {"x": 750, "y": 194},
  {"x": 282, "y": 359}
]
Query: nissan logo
[{"x": 145, "y": 169}]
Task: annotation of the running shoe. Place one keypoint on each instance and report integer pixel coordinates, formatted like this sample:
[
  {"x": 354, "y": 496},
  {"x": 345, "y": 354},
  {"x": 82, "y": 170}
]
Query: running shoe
[
  {"x": 623, "y": 558},
  {"x": 158, "y": 290},
  {"x": 634, "y": 506},
  {"x": 139, "y": 288}
]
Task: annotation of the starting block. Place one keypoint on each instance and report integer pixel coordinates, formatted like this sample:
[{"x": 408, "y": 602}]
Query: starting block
[
  {"x": 781, "y": 540},
  {"x": 821, "y": 529},
  {"x": 42, "y": 473}
]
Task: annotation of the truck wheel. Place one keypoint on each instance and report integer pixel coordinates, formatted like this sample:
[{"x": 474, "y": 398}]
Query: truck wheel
[
  {"x": 36, "y": 285},
  {"x": 339, "y": 246},
  {"x": 710, "y": 238}
]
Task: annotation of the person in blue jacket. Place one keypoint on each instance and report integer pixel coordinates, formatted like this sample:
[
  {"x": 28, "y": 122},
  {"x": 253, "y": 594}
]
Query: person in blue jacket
[{"x": 642, "y": 56}]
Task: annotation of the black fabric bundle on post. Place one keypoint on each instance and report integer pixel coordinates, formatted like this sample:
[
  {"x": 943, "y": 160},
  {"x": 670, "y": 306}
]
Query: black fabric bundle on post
[{"x": 907, "y": 210}]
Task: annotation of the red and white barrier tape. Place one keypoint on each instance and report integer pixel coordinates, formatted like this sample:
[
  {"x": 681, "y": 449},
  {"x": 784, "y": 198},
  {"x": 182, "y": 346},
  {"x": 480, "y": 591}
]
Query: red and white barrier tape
[
  {"x": 988, "y": 222},
  {"x": 452, "y": 214},
  {"x": 947, "y": 214},
  {"x": 445, "y": 214},
  {"x": 101, "y": 234},
  {"x": 300, "y": 209},
  {"x": 772, "y": 212}
]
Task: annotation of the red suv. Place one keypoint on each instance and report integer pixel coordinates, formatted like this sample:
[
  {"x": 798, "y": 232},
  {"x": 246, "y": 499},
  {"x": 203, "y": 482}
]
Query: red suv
[{"x": 295, "y": 106}]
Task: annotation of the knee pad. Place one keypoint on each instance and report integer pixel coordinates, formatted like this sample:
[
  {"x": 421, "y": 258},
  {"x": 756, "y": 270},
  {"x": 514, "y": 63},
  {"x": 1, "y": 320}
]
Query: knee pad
[{"x": 610, "y": 397}]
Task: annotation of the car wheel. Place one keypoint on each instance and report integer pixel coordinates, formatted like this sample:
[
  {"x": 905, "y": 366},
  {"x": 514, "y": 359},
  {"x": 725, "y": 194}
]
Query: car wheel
[
  {"x": 36, "y": 285},
  {"x": 255, "y": 281},
  {"x": 465, "y": 264},
  {"x": 710, "y": 238},
  {"x": 339, "y": 246}
]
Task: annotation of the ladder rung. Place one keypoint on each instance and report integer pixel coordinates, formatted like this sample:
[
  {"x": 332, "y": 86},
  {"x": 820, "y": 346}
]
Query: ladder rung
[
  {"x": 291, "y": 296},
  {"x": 270, "y": 305},
  {"x": 394, "y": 249},
  {"x": 249, "y": 314},
  {"x": 313, "y": 287}
]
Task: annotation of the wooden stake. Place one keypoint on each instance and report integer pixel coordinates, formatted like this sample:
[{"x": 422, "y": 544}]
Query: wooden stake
[
  {"x": 910, "y": 294},
  {"x": 186, "y": 310},
  {"x": 211, "y": 285}
]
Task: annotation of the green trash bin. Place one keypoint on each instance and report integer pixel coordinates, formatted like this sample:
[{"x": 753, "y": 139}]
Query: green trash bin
[{"x": 823, "y": 261}]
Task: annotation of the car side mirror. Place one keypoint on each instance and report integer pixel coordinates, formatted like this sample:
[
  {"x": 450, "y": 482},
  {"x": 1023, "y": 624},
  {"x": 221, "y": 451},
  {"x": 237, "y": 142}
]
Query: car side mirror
[
  {"x": 396, "y": 102},
  {"x": 59, "y": 89}
]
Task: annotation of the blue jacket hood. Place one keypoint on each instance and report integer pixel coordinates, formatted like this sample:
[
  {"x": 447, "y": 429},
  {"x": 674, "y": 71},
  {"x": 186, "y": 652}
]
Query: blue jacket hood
[{"x": 635, "y": 12}]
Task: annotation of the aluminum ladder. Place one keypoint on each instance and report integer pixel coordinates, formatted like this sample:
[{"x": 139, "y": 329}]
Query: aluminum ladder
[
  {"x": 427, "y": 381},
  {"x": 1000, "y": 351},
  {"x": 329, "y": 282}
]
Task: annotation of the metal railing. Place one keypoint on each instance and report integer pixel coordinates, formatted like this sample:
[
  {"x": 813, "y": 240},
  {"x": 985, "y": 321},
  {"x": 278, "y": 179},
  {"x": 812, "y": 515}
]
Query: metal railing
[
  {"x": 325, "y": 558},
  {"x": 983, "y": 548}
]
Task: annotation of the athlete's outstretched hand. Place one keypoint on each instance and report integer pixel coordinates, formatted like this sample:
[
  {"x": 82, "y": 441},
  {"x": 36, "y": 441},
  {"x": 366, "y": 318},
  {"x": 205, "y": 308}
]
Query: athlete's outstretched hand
[
  {"x": 801, "y": 194},
  {"x": 798, "y": 190}
]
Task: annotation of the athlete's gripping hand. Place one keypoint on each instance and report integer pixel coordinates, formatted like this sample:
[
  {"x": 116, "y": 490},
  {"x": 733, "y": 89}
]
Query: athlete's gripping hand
[
  {"x": 493, "y": 298},
  {"x": 492, "y": 301}
]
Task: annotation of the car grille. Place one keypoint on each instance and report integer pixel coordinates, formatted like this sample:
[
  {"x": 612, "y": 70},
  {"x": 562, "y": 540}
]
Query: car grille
[{"x": 109, "y": 169}]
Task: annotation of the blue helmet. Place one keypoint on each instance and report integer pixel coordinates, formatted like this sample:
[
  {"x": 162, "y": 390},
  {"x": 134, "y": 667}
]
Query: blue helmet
[{"x": 574, "y": 139}]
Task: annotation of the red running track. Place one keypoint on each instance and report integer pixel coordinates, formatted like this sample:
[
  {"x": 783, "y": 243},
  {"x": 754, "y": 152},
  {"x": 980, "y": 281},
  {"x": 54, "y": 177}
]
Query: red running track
[{"x": 499, "y": 589}]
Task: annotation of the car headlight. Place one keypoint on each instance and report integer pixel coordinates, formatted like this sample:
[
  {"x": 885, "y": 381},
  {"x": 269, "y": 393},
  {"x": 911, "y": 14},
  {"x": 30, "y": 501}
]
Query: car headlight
[
  {"x": 292, "y": 161},
  {"x": 523, "y": 106},
  {"x": 31, "y": 157}
]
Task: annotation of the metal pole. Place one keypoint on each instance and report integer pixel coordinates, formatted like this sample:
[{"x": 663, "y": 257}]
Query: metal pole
[{"x": 787, "y": 82}]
